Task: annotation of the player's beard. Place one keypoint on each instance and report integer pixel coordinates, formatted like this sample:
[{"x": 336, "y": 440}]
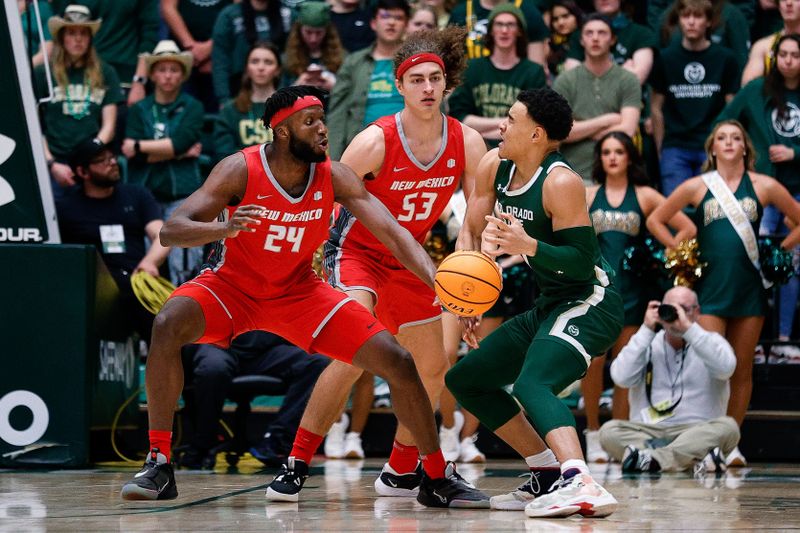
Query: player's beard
[{"x": 305, "y": 151}]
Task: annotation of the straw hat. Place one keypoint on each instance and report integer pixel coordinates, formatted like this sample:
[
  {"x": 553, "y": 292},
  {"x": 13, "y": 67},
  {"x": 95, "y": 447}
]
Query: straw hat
[
  {"x": 74, "y": 15},
  {"x": 169, "y": 51}
]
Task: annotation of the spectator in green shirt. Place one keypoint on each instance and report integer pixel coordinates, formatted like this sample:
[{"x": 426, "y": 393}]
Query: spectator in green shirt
[
  {"x": 190, "y": 25},
  {"x": 314, "y": 52},
  {"x": 130, "y": 28},
  {"x": 239, "y": 123},
  {"x": 236, "y": 30},
  {"x": 491, "y": 84},
  {"x": 162, "y": 143},
  {"x": 633, "y": 47},
  {"x": 85, "y": 92},
  {"x": 604, "y": 97}
]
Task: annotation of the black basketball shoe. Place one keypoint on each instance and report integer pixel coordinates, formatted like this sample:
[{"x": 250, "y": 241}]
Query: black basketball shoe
[
  {"x": 288, "y": 483},
  {"x": 155, "y": 481},
  {"x": 450, "y": 491},
  {"x": 390, "y": 483}
]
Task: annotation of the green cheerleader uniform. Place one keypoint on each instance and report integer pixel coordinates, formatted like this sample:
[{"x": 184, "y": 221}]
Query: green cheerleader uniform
[
  {"x": 730, "y": 285},
  {"x": 618, "y": 228}
]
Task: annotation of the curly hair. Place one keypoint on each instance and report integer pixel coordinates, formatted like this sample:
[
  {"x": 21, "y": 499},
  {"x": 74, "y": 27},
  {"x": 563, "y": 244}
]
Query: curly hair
[
  {"x": 298, "y": 57},
  {"x": 548, "y": 109},
  {"x": 286, "y": 97},
  {"x": 636, "y": 172},
  {"x": 447, "y": 44}
]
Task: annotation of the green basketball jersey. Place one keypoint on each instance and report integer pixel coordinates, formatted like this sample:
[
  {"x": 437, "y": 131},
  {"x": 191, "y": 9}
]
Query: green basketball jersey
[{"x": 526, "y": 205}]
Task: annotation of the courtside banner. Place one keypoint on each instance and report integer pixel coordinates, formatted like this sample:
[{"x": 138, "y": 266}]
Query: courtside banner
[{"x": 27, "y": 213}]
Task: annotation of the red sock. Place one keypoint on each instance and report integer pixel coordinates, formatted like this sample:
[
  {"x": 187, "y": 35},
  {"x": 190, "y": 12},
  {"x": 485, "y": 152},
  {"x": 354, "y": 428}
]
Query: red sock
[
  {"x": 305, "y": 445},
  {"x": 161, "y": 440},
  {"x": 404, "y": 458},
  {"x": 433, "y": 463}
]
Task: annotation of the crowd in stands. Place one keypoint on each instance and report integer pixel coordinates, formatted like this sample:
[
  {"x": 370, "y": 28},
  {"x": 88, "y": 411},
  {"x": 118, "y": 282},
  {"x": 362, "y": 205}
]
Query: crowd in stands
[{"x": 173, "y": 86}]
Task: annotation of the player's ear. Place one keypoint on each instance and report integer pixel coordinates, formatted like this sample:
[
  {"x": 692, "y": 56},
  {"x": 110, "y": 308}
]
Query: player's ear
[{"x": 281, "y": 131}]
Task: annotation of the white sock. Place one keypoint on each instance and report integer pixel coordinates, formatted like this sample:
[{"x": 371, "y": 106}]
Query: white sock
[
  {"x": 545, "y": 459},
  {"x": 575, "y": 463}
]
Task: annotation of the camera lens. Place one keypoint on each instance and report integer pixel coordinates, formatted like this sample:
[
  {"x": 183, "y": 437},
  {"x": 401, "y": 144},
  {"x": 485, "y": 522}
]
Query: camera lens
[{"x": 667, "y": 313}]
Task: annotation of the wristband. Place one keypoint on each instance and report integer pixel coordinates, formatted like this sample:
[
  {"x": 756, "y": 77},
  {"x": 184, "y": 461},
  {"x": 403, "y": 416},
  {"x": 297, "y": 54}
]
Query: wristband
[{"x": 136, "y": 147}]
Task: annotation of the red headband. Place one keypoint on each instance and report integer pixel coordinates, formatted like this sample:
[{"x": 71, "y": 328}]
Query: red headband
[
  {"x": 286, "y": 112},
  {"x": 416, "y": 59}
]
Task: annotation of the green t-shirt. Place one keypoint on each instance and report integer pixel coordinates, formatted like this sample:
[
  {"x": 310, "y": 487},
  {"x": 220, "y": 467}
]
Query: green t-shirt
[
  {"x": 488, "y": 91},
  {"x": 199, "y": 16},
  {"x": 180, "y": 121},
  {"x": 129, "y": 28},
  {"x": 382, "y": 96},
  {"x": 694, "y": 85},
  {"x": 630, "y": 38},
  {"x": 234, "y": 130},
  {"x": 591, "y": 96},
  {"x": 478, "y": 24},
  {"x": 75, "y": 112}
]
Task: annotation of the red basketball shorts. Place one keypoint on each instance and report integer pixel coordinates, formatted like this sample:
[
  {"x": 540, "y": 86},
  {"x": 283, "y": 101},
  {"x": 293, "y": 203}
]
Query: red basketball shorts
[
  {"x": 402, "y": 298},
  {"x": 313, "y": 315}
]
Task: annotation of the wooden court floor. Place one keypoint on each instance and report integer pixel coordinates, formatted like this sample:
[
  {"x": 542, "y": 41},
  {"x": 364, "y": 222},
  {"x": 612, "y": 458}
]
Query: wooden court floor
[{"x": 339, "y": 497}]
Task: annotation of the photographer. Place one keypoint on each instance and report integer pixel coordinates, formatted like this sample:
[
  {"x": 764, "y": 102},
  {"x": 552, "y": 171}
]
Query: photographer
[{"x": 678, "y": 381}]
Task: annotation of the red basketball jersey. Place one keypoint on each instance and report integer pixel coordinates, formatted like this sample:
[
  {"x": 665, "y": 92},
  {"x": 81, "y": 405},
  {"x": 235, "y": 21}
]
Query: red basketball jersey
[
  {"x": 414, "y": 193},
  {"x": 267, "y": 262}
]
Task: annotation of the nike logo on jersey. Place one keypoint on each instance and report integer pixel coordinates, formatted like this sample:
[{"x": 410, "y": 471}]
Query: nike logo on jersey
[
  {"x": 262, "y": 196},
  {"x": 395, "y": 169}
]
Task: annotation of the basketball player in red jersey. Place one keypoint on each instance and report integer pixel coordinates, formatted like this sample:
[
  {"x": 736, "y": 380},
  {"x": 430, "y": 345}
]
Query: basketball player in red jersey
[
  {"x": 276, "y": 201},
  {"x": 412, "y": 162}
]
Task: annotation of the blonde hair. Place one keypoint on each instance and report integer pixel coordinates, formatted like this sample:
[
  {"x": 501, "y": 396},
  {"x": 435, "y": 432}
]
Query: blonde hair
[
  {"x": 92, "y": 74},
  {"x": 749, "y": 149}
]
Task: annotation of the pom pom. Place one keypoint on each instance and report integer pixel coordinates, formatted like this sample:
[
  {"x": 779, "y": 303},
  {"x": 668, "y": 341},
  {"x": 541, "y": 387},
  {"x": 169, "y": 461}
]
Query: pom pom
[
  {"x": 777, "y": 264},
  {"x": 684, "y": 263}
]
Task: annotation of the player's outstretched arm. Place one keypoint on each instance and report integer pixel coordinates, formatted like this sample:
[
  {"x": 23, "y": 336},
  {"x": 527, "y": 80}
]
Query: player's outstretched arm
[
  {"x": 194, "y": 222},
  {"x": 350, "y": 192},
  {"x": 480, "y": 203}
]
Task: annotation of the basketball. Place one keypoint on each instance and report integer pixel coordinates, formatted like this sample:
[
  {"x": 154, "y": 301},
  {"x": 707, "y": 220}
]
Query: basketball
[{"x": 468, "y": 283}]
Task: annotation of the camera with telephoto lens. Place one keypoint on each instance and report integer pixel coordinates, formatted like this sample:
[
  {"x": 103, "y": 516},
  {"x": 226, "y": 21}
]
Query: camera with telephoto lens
[{"x": 667, "y": 313}]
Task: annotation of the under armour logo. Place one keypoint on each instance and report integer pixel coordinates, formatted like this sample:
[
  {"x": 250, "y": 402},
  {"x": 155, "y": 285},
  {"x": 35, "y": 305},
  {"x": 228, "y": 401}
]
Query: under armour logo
[{"x": 7, "y": 146}]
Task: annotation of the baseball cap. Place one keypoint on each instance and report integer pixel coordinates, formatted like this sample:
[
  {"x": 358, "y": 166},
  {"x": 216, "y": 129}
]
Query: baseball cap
[{"x": 85, "y": 151}]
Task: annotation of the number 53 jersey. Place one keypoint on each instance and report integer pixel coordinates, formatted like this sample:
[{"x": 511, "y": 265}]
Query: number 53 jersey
[
  {"x": 415, "y": 194},
  {"x": 267, "y": 262}
]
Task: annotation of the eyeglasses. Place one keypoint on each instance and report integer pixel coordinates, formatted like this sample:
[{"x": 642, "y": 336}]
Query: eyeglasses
[
  {"x": 385, "y": 15},
  {"x": 506, "y": 25},
  {"x": 108, "y": 160}
]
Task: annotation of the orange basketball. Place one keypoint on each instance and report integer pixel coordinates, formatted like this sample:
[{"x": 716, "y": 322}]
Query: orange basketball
[{"x": 468, "y": 283}]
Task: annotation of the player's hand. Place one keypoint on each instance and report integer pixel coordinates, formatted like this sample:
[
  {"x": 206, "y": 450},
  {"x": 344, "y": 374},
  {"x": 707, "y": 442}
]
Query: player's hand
[
  {"x": 470, "y": 333},
  {"x": 244, "y": 217},
  {"x": 508, "y": 234}
]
